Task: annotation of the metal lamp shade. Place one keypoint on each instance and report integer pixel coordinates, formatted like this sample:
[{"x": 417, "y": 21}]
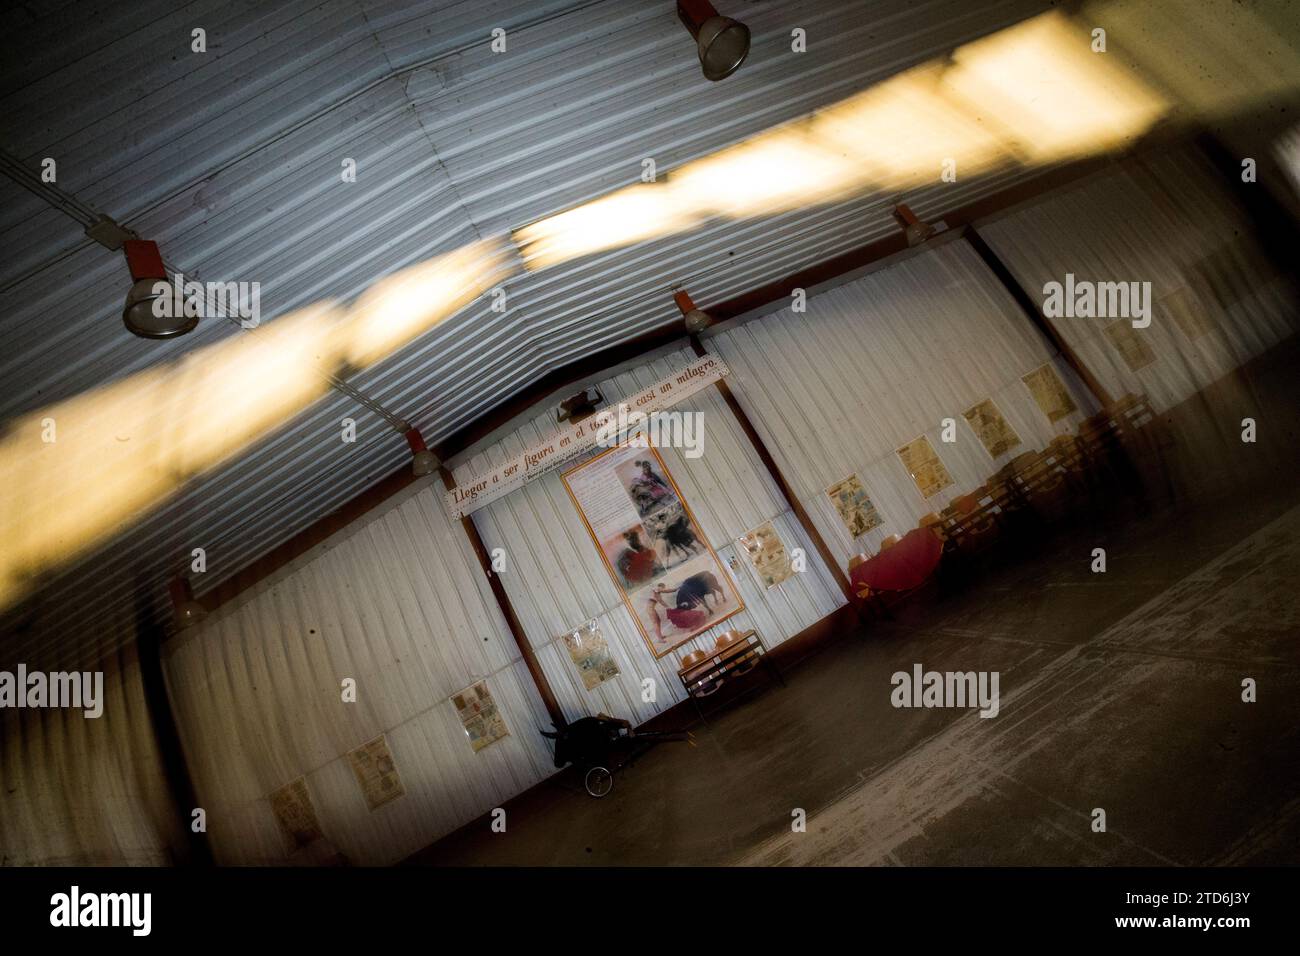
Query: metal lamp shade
[
  {"x": 697, "y": 321},
  {"x": 723, "y": 45},
  {"x": 153, "y": 316},
  {"x": 423, "y": 463}
]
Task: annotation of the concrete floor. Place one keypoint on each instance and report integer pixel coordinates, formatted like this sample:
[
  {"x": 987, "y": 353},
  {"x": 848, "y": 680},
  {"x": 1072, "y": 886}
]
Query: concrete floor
[{"x": 1120, "y": 691}]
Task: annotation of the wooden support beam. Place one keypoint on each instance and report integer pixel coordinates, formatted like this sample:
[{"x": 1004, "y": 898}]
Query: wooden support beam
[
  {"x": 507, "y": 610},
  {"x": 774, "y": 470}
]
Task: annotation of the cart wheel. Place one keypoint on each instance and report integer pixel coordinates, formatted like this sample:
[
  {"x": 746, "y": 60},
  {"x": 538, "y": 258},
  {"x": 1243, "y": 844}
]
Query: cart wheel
[{"x": 599, "y": 781}]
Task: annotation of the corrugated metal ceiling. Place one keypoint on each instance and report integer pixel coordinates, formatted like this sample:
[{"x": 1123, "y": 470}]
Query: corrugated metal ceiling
[{"x": 231, "y": 160}]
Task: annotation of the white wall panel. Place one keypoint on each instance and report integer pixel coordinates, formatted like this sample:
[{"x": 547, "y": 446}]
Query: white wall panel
[
  {"x": 78, "y": 791},
  {"x": 871, "y": 365},
  {"x": 1156, "y": 221},
  {"x": 556, "y": 580},
  {"x": 397, "y": 602}
]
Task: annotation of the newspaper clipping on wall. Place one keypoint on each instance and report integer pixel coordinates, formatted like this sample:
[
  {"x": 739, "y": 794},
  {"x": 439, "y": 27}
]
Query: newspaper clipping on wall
[
  {"x": 478, "y": 713},
  {"x": 293, "y": 810},
  {"x": 854, "y": 506},
  {"x": 923, "y": 464},
  {"x": 994, "y": 432},
  {"x": 590, "y": 655},
  {"x": 767, "y": 554},
  {"x": 372, "y": 765},
  {"x": 1049, "y": 393},
  {"x": 1130, "y": 344}
]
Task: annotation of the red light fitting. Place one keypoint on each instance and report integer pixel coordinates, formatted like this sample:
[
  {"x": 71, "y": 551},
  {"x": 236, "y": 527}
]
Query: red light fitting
[
  {"x": 721, "y": 42},
  {"x": 144, "y": 259},
  {"x": 697, "y": 320},
  {"x": 149, "y": 312},
  {"x": 423, "y": 461}
]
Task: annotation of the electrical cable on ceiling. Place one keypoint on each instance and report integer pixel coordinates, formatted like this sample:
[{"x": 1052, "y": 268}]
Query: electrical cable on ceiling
[
  {"x": 87, "y": 216},
  {"x": 66, "y": 203}
]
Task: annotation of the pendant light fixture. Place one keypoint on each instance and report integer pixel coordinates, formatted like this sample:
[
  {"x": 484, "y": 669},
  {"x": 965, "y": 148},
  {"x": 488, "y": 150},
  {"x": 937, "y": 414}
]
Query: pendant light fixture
[
  {"x": 151, "y": 311},
  {"x": 423, "y": 461},
  {"x": 722, "y": 43},
  {"x": 697, "y": 320},
  {"x": 914, "y": 230}
]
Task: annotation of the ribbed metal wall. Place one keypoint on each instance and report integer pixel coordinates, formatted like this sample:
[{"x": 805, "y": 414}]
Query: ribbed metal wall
[
  {"x": 397, "y": 602},
  {"x": 1170, "y": 222},
  {"x": 234, "y": 167},
  {"x": 78, "y": 791},
  {"x": 231, "y": 160},
  {"x": 556, "y": 580},
  {"x": 875, "y": 363}
]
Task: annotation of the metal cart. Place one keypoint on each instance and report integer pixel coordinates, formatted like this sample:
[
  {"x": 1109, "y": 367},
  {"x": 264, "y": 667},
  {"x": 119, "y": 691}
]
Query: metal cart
[{"x": 600, "y": 745}]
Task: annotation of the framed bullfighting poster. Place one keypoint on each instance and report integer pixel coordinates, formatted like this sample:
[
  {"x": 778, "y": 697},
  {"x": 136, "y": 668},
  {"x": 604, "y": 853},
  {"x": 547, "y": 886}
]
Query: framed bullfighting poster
[{"x": 669, "y": 577}]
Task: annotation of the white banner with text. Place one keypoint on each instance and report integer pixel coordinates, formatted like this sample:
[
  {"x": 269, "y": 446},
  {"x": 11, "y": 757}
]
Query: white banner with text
[{"x": 605, "y": 429}]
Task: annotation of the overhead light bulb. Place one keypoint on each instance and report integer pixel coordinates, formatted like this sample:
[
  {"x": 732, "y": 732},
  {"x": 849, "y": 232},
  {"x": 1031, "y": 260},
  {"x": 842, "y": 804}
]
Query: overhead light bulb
[
  {"x": 423, "y": 461},
  {"x": 696, "y": 319}
]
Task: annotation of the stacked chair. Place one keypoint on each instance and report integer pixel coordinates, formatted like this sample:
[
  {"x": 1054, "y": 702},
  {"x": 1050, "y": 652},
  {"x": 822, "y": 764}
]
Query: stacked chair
[
  {"x": 735, "y": 653},
  {"x": 1122, "y": 451}
]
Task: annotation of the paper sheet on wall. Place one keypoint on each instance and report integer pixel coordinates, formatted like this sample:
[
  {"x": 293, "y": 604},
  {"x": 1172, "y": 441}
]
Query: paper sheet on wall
[
  {"x": 293, "y": 810},
  {"x": 479, "y": 715},
  {"x": 1050, "y": 393},
  {"x": 1131, "y": 344},
  {"x": 376, "y": 773},
  {"x": 1185, "y": 308},
  {"x": 854, "y": 506},
  {"x": 767, "y": 554},
  {"x": 923, "y": 464},
  {"x": 994, "y": 432},
  {"x": 590, "y": 655}
]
